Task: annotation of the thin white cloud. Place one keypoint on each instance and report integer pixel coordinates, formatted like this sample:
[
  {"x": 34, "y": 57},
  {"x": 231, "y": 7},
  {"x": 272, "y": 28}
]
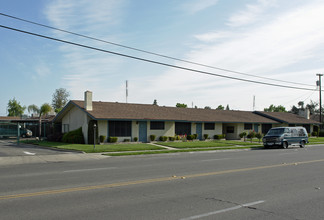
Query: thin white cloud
[
  {"x": 194, "y": 6},
  {"x": 287, "y": 39},
  {"x": 251, "y": 13},
  {"x": 85, "y": 69},
  {"x": 41, "y": 71}
]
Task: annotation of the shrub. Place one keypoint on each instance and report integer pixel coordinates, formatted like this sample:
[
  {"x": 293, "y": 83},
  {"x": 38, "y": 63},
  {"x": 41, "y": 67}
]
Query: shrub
[
  {"x": 243, "y": 135},
  {"x": 74, "y": 137},
  {"x": 205, "y": 136},
  {"x": 251, "y": 135},
  {"x": 177, "y": 137},
  {"x": 152, "y": 137},
  {"x": 195, "y": 136},
  {"x": 314, "y": 133},
  {"x": 112, "y": 139},
  {"x": 219, "y": 136},
  {"x": 259, "y": 136},
  {"x": 171, "y": 138},
  {"x": 135, "y": 139},
  {"x": 163, "y": 138},
  {"x": 321, "y": 134},
  {"x": 102, "y": 138},
  {"x": 126, "y": 140},
  {"x": 190, "y": 137},
  {"x": 56, "y": 137}
]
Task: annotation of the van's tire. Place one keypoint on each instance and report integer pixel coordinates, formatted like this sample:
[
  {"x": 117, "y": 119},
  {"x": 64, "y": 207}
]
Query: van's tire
[
  {"x": 302, "y": 144},
  {"x": 284, "y": 145}
]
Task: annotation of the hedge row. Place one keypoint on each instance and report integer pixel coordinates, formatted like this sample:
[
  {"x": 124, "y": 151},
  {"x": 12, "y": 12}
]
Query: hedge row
[{"x": 74, "y": 137}]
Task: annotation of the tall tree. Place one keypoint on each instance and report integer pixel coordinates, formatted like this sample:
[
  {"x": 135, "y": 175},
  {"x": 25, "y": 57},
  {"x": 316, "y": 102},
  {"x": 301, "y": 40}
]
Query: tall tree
[
  {"x": 14, "y": 108},
  {"x": 227, "y": 107},
  {"x": 181, "y": 105},
  {"x": 43, "y": 110},
  {"x": 273, "y": 108},
  {"x": 155, "y": 102},
  {"x": 60, "y": 99}
]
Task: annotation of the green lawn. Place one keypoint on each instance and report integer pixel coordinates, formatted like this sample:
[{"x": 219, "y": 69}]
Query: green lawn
[
  {"x": 313, "y": 140},
  {"x": 142, "y": 148},
  {"x": 99, "y": 148},
  {"x": 207, "y": 144}
]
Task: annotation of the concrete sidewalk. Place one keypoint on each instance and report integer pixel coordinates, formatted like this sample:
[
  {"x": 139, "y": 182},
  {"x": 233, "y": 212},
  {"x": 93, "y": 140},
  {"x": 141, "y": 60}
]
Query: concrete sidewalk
[{"x": 30, "y": 159}]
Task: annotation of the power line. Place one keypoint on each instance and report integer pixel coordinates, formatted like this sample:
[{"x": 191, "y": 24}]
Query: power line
[
  {"x": 148, "y": 52},
  {"x": 152, "y": 61}
]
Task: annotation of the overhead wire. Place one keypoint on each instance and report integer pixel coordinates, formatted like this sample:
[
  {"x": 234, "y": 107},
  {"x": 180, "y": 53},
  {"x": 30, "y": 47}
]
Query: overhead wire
[
  {"x": 299, "y": 97},
  {"x": 152, "y": 61},
  {"x": 148, "y": 52}
]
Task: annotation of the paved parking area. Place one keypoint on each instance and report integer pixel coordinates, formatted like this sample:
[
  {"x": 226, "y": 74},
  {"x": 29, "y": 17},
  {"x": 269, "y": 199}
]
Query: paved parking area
[
  {"x": 13, "y": 154},
  {"x": 9, "y": 148}
]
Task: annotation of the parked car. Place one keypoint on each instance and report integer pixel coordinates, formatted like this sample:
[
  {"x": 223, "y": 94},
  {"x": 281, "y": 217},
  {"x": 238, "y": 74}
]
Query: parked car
[
  {"x": 285, "y": 136},
  {"x": 25, "y": 132}
]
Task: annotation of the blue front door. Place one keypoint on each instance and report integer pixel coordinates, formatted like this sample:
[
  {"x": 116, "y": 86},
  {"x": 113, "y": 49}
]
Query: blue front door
[
  {"x": 142, "y": 131},
  {"x": 199, "y": 130},
  {"x": 256, "y": 128}
]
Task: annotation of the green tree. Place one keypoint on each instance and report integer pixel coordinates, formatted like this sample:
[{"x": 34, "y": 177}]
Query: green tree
[
  {"x": 60, "y": 99},
  {"x": 273, "y": 108},
  {"x": 207, "y": 107},
  {"x": 301, "y": 105},
  {"x": 220, "y": 107},
  {"x": 181, "y": 105},
  {"x": 313, "y": 107},
  {"x": 294, "y": 110},
  {"x": 41, "y": 111},
  {"x": 227, "y": 107},
  {"x": 14, "y": 108},
  {"x": 155, "y": 102}
]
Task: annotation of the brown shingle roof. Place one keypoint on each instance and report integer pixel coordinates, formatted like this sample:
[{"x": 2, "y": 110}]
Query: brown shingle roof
[
  {"x": 112, "y": 110},
  {"x": 8, "y": 118},
  {"x": 285, "y": 117}
]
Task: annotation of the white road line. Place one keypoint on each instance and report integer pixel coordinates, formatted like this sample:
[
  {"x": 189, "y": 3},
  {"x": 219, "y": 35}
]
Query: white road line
[
  {"x": 29, "y": 153},
  {"x": 94, "y": 169},
  {"x": 222, "y": 210}
]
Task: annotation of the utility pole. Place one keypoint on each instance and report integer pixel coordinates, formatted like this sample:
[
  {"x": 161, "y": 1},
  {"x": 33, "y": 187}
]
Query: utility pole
[
  {"x": 320, "y": 95},
  {"x": 126, "y": 90}
]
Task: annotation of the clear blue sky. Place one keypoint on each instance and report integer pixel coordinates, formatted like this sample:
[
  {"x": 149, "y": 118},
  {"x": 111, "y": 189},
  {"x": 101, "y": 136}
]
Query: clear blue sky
[{"x": 282, "y": 40}]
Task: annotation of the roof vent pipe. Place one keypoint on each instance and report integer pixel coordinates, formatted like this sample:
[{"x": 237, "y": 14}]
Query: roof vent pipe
[{"x": 88, "y": 100}]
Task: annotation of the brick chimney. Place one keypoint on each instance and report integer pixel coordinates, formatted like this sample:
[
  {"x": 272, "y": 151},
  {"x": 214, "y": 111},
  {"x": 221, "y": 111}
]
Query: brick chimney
[{"x": 88, "y": 100}]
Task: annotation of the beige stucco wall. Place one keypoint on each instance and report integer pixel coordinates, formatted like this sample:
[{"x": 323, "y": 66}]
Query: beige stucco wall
[
  {"x": 218, "y": 130},
  {"x": 76, "y": 118},
  {"x": 169, "y": 130},
  {"x": 235, "y": 135},
  {"x": 135, "y": 130},
  {"x": 103, "y": 129}
]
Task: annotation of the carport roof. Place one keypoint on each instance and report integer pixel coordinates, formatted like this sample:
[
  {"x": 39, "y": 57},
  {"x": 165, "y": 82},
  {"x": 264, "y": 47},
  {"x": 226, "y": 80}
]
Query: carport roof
[{"x": 125, "y": 111}]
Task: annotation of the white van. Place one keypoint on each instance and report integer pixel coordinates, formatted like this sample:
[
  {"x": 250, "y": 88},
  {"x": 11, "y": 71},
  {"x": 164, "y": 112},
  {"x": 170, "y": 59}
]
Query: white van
[{"x": 285, "y": 136}]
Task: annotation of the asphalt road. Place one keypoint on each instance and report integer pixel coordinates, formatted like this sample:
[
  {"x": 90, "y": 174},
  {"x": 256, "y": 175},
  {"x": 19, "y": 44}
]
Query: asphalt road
[{"x": 256, "y": 184}]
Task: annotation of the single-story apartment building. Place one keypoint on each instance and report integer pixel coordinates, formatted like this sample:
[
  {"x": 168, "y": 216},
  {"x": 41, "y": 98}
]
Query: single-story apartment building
[{"x": 127, "y": 121}]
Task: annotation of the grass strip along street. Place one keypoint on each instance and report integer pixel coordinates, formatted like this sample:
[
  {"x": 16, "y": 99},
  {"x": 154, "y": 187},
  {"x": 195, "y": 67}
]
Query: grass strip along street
[
  {"x": 147, "y": 148},
  {"x": 121, "y": 149}
]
